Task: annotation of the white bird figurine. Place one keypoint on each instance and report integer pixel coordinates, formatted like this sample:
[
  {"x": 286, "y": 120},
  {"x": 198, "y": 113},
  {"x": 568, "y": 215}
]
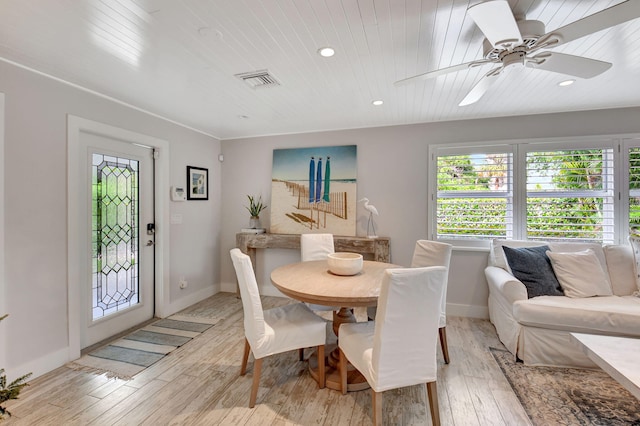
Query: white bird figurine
[
  {"x": 369, "y": 207},
  {"x": 372, "y": 211}
]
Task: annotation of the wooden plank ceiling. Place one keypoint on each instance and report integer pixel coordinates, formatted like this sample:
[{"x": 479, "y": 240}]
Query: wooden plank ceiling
[{"x": 178, "y": 59}]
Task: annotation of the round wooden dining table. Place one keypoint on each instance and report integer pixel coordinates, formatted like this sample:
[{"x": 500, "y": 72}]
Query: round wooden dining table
[{"x": 311, "y": 282}]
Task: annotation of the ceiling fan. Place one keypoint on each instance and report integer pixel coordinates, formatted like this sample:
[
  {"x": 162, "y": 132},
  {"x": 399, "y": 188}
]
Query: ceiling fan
[{"x": 511, "y": 42}]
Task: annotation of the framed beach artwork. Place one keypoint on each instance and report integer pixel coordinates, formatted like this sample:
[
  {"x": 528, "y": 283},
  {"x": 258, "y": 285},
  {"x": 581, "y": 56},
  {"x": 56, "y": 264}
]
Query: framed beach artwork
[
  {"x": 197, "y": 183},
  {"x": 313, "y": 190}
]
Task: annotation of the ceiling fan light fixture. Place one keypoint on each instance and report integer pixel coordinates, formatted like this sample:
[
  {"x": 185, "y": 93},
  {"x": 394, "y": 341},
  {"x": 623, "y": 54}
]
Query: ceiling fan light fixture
[
  {"x": 326, "y": 52},
  {"x": 566, "y": 83},
  {"x": 377, "y": 102}
]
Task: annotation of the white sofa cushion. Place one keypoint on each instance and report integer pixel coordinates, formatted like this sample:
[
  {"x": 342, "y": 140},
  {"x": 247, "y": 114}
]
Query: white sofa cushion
[
  {"x": 615, "y": 315},
  {"x": 620, "y": 264},
  {"x": 571, "y": 247},
  {"x": 580, "y": 274}
]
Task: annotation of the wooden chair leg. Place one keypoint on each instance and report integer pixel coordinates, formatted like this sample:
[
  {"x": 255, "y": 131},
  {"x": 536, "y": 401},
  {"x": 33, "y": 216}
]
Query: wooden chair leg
[
  {"x": 257, "y": 368},
  {"x": 343, "y": 372},
  {"x": 301, "y": 354},
  {"x": 377, "y": 408},
  {"x": 321, "y": 372},
  {"x": 442, "y": 331},
  {"x": 432, "y": 397},
  {"x": 245, "y": 358}
]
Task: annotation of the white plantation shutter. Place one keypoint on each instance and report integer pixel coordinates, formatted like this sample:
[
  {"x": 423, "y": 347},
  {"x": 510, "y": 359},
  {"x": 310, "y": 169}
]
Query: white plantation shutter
[
  {"x": 584, "y": 189},
  {"x": 634, "y": 189},
  {"x": 474, "y": 195},
  {"x": 570, "y": 194}
]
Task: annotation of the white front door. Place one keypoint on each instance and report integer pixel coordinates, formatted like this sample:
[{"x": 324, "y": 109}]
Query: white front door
[{"x": 117, "y": 267}]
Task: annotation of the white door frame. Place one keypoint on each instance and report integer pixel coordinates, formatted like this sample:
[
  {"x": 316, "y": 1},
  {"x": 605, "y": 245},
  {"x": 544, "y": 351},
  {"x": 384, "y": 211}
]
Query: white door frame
[
  {"x": 76, "y": 126},
  {"x": 3, "y": 343}
]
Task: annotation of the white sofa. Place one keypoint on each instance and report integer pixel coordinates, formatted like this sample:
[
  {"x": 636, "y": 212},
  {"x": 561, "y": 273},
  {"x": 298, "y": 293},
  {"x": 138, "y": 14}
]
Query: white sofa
[{"x": 536, "y": 329}]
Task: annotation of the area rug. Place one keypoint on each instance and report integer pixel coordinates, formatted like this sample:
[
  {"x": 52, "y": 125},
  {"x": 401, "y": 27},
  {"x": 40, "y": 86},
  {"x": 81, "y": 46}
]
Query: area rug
[
  {"x": 129, "y": 355},
  {"x": 568, "y": 396}
]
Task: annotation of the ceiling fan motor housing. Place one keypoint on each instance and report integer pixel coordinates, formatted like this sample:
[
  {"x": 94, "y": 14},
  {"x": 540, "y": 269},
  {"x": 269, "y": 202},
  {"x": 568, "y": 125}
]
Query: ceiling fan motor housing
[{"x": 530, "y": 30}]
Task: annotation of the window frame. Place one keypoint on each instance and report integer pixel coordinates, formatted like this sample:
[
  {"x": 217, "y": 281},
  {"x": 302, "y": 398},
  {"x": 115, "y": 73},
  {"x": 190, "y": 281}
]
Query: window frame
[
  {"x": 470, "y": 150},
  {"x": 627, "y": 143},
  {"x": 621, "y": 144}
]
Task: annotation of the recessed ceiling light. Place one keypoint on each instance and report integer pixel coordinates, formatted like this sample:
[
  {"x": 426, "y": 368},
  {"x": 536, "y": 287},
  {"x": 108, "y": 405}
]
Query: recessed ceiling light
[
  {"x": 377, "y": 102},
  {"x": 326, "y": 52},
  {"x": 566, "y": 83},
  {"x": 243, "y": 117}
]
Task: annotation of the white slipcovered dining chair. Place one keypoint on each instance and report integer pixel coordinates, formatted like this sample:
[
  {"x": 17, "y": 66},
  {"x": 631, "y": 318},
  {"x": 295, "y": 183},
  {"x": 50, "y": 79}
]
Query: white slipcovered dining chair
[
  {"x": 399, "y": 348},
  {"x": 273, "y": 331},
  {"x": 435, "y": 253},
  {"x": 432, "y": 253},
  {"x": 317, "y": 247}
]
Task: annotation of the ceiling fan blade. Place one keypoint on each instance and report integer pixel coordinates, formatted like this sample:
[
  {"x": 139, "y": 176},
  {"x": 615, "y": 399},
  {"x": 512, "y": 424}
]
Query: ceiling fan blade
[
  {"x": 562, "y": 63},
  {"x": 495, "y": 19},
  {"x": 442, "y": 71},
  {"x": 480, "y": 88},
  {"x": 604, "y": 19}
]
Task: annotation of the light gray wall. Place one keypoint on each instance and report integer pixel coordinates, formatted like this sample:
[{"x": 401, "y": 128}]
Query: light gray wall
[
  {"x": 392, "y": 173},
  {"x": 35, "y": 203}
]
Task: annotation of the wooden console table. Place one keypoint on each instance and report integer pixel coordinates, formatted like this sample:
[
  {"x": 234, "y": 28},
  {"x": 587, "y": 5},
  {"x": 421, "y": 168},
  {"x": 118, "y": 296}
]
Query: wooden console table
[{"x": 371, "y": 248}]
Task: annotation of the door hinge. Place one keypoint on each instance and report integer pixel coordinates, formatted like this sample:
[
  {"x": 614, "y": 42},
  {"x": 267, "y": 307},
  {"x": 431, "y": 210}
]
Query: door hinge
[{"x": 156, "y": 154}]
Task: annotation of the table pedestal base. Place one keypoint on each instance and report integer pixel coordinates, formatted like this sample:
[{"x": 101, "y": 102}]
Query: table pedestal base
[{"x": 355, "y": 379}]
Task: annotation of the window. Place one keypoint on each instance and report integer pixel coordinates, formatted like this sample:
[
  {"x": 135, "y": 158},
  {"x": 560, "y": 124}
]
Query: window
[
  {"x": 551, "y": 190},
  {"x": 474, "y": 195},
  {"x": 634, "y": 188},
  {"x": 570, "y": 194}
]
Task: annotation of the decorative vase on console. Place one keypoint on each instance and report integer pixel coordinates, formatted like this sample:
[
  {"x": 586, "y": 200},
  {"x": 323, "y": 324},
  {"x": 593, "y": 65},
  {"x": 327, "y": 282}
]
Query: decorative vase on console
[
  {"x": 254, "y": 222},
  {"x": 255, "y": 207}
]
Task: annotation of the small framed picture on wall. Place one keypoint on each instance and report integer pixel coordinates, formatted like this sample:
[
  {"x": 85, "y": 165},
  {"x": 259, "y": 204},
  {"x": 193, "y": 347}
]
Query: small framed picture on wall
[{"x": 197, "y": 183}]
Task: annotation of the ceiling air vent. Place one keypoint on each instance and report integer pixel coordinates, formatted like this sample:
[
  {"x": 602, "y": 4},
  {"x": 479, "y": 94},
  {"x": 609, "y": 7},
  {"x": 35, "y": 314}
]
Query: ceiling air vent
[{"x": 258, "y": 79}]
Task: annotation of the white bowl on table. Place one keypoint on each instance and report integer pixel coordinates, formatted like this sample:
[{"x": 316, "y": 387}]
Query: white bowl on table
[{"x": 344, "y": 263}]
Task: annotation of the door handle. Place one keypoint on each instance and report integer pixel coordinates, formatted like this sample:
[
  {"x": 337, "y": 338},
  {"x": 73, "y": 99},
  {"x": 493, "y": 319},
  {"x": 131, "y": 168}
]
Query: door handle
[{"x": 150, "y": 242}]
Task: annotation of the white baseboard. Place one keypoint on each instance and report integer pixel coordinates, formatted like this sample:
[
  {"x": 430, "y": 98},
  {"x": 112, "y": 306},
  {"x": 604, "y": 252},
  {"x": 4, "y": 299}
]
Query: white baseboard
[
  {"x": 56, "y": 359},
  {"x": 191, "y": 299},
  {"x": 468, "y": 311},
  {"x": 40, "y": 366}
]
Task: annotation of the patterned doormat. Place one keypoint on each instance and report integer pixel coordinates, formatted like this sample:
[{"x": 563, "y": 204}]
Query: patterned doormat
[
  {"x": 136, "y": 351},
  {"x": 568, "y": 396}
]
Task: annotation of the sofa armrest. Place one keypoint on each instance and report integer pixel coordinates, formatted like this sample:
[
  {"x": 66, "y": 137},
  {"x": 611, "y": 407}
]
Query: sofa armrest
[{"x": 509, "y": 287}]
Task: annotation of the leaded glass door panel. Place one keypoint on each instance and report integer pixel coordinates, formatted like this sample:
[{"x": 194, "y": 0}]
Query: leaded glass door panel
[
  {"x": 115, "y": 232},
  {"x": 118, "y": 290}
]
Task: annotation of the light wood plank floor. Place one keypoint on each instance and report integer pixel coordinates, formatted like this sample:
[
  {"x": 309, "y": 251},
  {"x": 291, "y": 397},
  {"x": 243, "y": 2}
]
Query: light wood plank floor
[{"x": 199, "y": 384}]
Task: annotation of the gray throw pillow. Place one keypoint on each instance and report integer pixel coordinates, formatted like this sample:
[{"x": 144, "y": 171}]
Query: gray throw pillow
[{"x": 532, "y": 266}]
